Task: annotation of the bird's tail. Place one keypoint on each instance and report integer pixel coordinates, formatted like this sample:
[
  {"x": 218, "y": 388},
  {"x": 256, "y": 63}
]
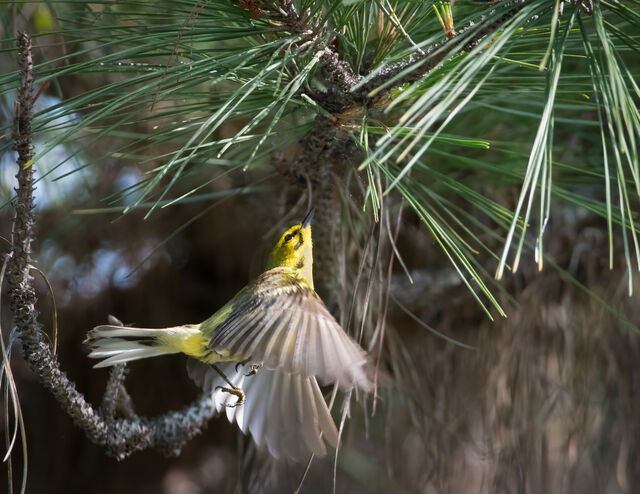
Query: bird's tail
[{"x": 118, "y": 344}]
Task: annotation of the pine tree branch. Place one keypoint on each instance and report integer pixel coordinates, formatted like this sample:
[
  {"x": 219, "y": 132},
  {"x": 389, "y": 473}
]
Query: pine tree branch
[
  {"x": 119, "y": 436},
  {"x": 315, "y": 163},
  {"x": 341, "y": 96},
  {"x": 437, "y": 53},
  {"x": 341, "y": 76},
  {"x": 337, "y": 71},
  {"x": 433, "y": 56}
]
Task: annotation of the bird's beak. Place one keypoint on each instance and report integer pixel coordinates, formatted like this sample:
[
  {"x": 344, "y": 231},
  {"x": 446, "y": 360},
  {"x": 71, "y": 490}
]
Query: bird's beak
[{"x": 307, "y": 219}]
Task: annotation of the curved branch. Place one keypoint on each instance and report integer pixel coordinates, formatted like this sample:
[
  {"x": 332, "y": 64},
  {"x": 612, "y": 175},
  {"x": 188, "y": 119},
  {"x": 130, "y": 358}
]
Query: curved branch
[{"x": 119, "y": 436}]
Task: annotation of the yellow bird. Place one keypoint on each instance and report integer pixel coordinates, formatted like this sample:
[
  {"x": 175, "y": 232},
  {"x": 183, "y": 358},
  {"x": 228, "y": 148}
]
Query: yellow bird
[{"x": 262, "y": 354}]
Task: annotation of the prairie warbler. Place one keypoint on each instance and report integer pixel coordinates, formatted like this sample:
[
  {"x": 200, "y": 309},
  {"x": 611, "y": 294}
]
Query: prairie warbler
[{"x": 262, "y": 354}]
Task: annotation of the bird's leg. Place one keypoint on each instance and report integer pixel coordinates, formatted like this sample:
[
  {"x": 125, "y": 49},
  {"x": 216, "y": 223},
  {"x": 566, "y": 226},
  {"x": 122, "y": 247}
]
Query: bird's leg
[{"x": 234, "y": 390}]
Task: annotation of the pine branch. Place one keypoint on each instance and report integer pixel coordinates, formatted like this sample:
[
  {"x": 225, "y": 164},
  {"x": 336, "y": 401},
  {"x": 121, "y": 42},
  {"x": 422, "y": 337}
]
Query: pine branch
[
  {"x": 341, "y": 99},
  {"x": 338, "y": 72},
  {"x": 343, "y": 95},
  {"x": 119, "y": 436},
  {"x": 432, "y": 57}
]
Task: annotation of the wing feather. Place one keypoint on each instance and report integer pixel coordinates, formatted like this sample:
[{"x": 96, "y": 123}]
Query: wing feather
[
  {"x": 273, "y": 335},
  {"x": 241, "y": 329},
  {"x": 287, "y": 349},
  {"x": 285, "y": 413},
  {"x": 301, "y": 344},
  {"x": 269, "y": 329},
  {"x": 281, "y": 321},
  {"x": 311, "y": 434}
]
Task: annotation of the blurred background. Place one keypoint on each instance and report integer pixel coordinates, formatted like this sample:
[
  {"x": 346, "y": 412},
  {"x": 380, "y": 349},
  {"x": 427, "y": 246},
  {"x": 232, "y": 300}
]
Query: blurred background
[{"x": 543, "y": 400}]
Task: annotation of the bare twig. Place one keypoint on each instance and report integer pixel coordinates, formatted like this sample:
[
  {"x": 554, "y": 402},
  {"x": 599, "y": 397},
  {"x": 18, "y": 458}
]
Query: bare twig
[
  {"x": 115, "y": 394},
  {"x": 119, "y": 436}
]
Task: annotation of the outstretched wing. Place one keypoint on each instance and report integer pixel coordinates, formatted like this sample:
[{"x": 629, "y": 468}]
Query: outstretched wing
[
  {"x": 285, "y": 413},
  {"x": 280, "y": 321}
]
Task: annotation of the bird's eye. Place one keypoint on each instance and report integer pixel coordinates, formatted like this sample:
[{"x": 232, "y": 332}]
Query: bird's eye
[{"x": 289, "y": 236}]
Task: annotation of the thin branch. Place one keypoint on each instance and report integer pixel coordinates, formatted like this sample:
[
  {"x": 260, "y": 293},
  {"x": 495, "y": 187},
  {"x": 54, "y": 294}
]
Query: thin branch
[
  {"x": 433, "y": 56},
  {"x": 119, "y": 436},
  {"x": 115, "y": 395}
]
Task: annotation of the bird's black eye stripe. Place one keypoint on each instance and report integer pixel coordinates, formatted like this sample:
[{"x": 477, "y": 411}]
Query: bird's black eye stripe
[
  {"x": 289, "y": 236},
  {"x": 300, "y": 241}
]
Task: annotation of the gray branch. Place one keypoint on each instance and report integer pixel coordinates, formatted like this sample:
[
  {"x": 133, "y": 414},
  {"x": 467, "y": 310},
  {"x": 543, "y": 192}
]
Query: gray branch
[{"x": 119, "y": 436}]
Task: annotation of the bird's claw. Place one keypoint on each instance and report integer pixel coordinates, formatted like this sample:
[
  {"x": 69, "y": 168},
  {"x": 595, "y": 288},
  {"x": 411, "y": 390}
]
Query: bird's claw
[
  {"x": 237, "y": 392},
  {"x": 254, "y": 367},
  {"x": 241, "y": 363},
  {"x": 254, "y": 370}
]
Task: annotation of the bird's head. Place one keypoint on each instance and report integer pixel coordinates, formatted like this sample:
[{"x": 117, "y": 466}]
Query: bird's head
[{"x": 295, "y": 250}]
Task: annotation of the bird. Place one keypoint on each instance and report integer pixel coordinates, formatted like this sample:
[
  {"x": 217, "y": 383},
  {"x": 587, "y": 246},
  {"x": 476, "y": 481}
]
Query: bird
[{"x": 263, "y": 355}]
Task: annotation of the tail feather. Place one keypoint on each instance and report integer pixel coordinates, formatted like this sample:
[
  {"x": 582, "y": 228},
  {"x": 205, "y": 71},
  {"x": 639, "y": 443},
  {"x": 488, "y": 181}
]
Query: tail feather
[
  {"x": 119, "y": 344},
  {"x": 112, "y": 347},
  {"x": 107, "y": 331},
  {"x": 136, "y": 354}
]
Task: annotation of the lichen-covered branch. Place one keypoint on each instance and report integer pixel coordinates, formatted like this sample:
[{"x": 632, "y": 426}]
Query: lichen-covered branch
[
  {"x": 23, "y": 300},
  {"x": 433, "y": 56},
  {"x": 337, "y": 70},
  {"x": 119, "y": 436},
  {"x": 341, "y": 96}
]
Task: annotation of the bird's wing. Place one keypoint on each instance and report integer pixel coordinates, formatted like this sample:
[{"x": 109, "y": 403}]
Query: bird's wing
[
  {"x": 284, "y": 412},
  {"x": 280, "y": 321}
]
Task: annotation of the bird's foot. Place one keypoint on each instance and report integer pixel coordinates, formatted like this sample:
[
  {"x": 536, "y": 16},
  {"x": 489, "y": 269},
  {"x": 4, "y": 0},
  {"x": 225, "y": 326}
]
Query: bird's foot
[
  {"x": 254, "y": 370},
  {"x": 242, "y": 363},
  {"x": 254, "y": 367},
  {"x": 237, "y": 392}
]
